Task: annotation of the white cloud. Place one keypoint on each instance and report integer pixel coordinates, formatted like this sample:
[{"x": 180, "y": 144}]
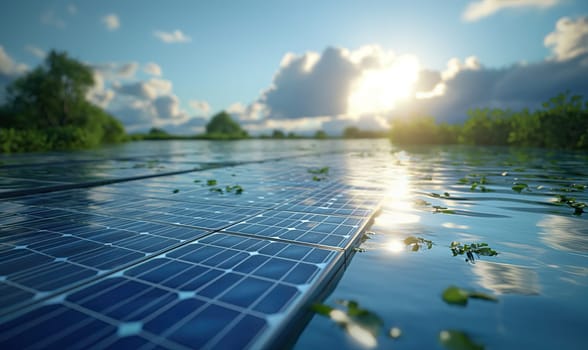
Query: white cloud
[
  {"x": 111, "y": 21},
  {"x": 8, "y": 67},
  {"x": 177, "y": 36},
  {"x": 570, "y": 38},
  {"x": 72, "y": 9},
  {"x": 51, "y": 19},
  {"x": 112, "y": 70},
  {"x": 150, "y": 89},
  {"x": 36, "y": 51},
  {"x": 152, "y": 69},
  {"x": 200, "y": 107},
  {"x": 483, "y": 8}
]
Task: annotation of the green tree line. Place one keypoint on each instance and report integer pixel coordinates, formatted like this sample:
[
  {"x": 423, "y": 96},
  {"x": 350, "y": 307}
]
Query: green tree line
[
  {"x": 562, "y": 122},
  {"x": 47, "y": 109}
]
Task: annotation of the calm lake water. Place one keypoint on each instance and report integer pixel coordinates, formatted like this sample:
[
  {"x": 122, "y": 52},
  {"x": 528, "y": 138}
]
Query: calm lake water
[
  {"x": 517, "y": 201},
  {"x": 540, "y": 275}
]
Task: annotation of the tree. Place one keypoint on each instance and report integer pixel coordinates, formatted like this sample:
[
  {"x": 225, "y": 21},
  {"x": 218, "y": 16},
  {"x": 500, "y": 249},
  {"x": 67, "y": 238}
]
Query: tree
[
  {"x": 320, "y": 134},
  {"x": 278, "y": 134},
  {"x": 351, "y": 132},
  {"x": 49, "y": 104},
  {"x": 224, "y": 126}
]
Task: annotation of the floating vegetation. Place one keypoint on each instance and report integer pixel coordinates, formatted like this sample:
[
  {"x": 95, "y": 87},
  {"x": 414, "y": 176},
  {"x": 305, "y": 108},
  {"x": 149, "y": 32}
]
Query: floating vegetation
[
  {"x": 320, "y": 174},
  {"x": 211, "y": 182},
  {"x": 197, "y": 181},
  {"x": 572, "y": 188},
  {"x": 519, "y": 187},
  {"x": 457, "y": 248},
  {"x": 444, "y": 210},
  {"x": 321, "y": 171},
  {"x": 417, "y": 243},
  {"x": 217, "y": 190},
  {"x": 236, "y": 188},
  {"x": 437, "y": 195},
  {"x": 362, "y": 325},
  {"x": 476, "y": 181},
  {"x": 458, "y": 340},
  {"x": 176, "y": 191},
  {"x": 458, "y": 296},
  {"x": 421, "y": 203},
  {"x": 572, "y": 203}
]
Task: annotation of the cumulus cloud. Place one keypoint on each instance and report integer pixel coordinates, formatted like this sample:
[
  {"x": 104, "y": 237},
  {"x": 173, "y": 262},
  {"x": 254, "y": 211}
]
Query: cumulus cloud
[
  {"x": 152, "y": 69},
  {"x": 570, "y": 38},
  {"x": 36, "y": 51},
  {"x": 307, "y": 85},
  {"x": 200, "y": 107},
  {"x": 476, "y": 10},
  {"x": 117, "y": 70},
  {"x": 8, "y": 67},
  {"x": 99, "y": 94},
  {"x": 177, "y": 36},
  {"x": 9, "y": 70},
  {"x": 515, "y": 87},
  {"x": 51, "y": 19},
  {"x": 111, "y": 21},
  {"x": 149, "y": 89},
  {"x": 312, "y": 91}
]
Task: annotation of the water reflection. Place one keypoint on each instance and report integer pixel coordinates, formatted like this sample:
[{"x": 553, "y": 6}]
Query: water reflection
[
  {"x": 564, "y": 233},
  {"x": 507, "y": 278}
]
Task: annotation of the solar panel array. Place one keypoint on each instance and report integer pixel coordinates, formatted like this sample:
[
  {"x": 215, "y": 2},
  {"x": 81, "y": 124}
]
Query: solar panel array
[{"x": 176, "y": 261}]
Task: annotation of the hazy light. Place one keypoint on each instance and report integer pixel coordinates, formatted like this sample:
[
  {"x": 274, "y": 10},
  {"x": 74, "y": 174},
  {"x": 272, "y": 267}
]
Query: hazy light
[
  {"x": 394, "y": 246},
  {"x": 378, "y": 90}
]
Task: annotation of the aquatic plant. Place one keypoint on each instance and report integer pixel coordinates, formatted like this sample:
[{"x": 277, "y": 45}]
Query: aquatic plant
[
  {"x": 572, "y": 203},
  {"x": 444, "y": 210},
  {"x": 458, "y": 296},
  {"x": 458, "y": 340},
  {"x": 176, "y": 191},
  {"x": 519, "y": 187},
  {"x": 320, "y": 174},
  {"x": 211, "y": 182},
  {"x": 416, "y": 243},
  {"x": 457, "y": 248},
  {"x": 362, "y": 325}
]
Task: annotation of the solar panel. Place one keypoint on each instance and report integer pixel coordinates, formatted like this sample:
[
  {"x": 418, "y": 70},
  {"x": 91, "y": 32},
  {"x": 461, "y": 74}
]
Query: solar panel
[{"x": 170, "y": 262}]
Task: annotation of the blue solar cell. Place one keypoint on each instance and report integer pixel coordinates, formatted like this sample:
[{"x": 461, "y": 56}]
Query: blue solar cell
[
  {"x": 246, "y": 292},
  {"x": 276, "y": 300},
  {"x": 133, "y": 264},
  {"x": 197, "y": 330},
  {"x": 242, "y": 334}
]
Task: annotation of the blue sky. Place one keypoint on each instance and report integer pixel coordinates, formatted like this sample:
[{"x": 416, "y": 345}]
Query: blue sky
[{"x": 173, "y": 64}]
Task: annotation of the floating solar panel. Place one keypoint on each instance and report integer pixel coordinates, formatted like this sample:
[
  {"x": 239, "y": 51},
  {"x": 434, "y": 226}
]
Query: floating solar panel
[{"x": 169, "y": 262}]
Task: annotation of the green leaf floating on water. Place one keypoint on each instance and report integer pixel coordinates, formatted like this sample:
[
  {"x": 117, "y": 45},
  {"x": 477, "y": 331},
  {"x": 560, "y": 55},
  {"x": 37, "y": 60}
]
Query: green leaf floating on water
[
  {"x": 519, "y": 187},
  {"x": 457, "y": 340},
  {"x": 458, "y": 296},
  {"x": 416, "y": 243},
  {"x": 362, "y": 325},
  {"x": 211, "y": 182},
  {"x": 458, "y": 248},
  {"x": 319, "y": 171}
]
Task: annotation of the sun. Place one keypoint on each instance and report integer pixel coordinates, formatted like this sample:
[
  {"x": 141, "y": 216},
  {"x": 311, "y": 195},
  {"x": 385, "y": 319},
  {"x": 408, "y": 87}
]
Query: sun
[{"x": 378, "y": 90}]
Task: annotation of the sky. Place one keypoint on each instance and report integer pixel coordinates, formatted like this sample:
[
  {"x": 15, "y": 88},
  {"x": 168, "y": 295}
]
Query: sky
[{"x": 304, "y": 65}]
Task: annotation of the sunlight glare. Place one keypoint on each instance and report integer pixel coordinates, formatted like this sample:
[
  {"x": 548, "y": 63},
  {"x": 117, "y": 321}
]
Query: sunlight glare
[
  {"x": 394, "y": 247},
  {"x": 378, "y": 90}
]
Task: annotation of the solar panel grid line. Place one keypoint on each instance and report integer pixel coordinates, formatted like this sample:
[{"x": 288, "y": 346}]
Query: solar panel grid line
[
  {"x": 83, "y": 262},
  {"x": 215, "y": 292}
]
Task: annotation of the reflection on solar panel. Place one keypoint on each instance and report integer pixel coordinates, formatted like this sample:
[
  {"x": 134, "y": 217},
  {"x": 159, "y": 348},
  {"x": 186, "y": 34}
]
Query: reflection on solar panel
[{"x": 164, "y": 262}]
